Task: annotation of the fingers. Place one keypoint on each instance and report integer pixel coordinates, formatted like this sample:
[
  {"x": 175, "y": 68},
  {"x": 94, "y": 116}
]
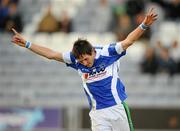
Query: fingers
[
  {"x": 15, "y": 39},
  {"x": 152, "y": 14},
  {"x": 150, "y": 11},
  {"x": 15, "y": 32},
  {"x": 155, "y": 17},
  {"x": 18, "y": 39}
]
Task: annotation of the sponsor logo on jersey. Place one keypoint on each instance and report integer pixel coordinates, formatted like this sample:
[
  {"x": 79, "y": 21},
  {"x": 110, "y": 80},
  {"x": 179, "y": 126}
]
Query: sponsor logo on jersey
[{"x": 95, "y": 73}]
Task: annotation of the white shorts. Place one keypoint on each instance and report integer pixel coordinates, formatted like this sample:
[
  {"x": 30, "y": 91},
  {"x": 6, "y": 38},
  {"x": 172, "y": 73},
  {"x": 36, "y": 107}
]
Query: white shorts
[{"x": 109, "y": 119}]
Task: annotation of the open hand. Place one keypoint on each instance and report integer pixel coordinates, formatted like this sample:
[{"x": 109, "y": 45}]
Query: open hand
[
  {"x": 150, "y": 17},
  {"x": 18, "y": 39}
]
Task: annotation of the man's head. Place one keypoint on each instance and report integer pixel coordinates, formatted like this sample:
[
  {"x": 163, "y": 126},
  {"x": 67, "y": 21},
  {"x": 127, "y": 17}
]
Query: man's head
[{"x": 84, "y": 52}]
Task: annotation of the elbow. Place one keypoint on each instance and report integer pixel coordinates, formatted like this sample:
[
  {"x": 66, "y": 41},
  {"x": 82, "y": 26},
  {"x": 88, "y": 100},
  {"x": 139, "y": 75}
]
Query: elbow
[
  {"x": 130, "y": 39},
  {"x": 130, "y": 42},
  {"x": 50, "y": 56},
  {"x": 53, "y": 55},
  {"x": 126, "y": 43}
]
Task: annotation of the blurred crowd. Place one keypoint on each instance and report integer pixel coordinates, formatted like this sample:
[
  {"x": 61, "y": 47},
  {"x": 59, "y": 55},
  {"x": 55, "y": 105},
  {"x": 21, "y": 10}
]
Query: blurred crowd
[
  {"x": 117, "y": 16},
  {"x": 161, "y": 59},
  {"x": 49, "y": 23},
  {"x": 120, "y": 16},
  {"x": 9, "y": 16},
  {"x": 128, "y": 14}
]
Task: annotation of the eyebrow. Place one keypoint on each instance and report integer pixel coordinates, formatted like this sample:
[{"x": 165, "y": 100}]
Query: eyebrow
[{"x": 80, "y": 60}]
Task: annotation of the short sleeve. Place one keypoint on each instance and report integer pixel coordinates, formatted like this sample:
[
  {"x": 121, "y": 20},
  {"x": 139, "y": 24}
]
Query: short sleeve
[
  {"x": 119, "y": 48},
  {"x": 67, "y": 57},
  {"x": 70, "y": 60},
  {"x": 112, "y": 49}
]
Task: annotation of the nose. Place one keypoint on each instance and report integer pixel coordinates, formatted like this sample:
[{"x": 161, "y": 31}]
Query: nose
[{"x": 85, "y": 63}]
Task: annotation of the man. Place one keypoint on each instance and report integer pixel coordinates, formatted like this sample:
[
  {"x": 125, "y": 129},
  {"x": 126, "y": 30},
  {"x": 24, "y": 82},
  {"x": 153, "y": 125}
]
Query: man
[{"x": 98, "y": 68}]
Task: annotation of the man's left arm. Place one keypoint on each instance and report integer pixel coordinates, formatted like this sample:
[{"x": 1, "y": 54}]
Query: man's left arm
[{"x": 137, "y": 33}]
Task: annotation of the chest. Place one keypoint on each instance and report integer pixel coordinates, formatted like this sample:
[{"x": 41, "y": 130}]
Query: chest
[{"x": 98, "y": 73}]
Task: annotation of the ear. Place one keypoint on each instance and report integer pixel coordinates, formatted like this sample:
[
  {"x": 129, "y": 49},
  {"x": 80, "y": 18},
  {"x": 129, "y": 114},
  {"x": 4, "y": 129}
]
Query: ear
[{"x": 93, "y": 50}]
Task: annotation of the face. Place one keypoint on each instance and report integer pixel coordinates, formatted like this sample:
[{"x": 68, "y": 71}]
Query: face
[{"x": 87, "y": 60}]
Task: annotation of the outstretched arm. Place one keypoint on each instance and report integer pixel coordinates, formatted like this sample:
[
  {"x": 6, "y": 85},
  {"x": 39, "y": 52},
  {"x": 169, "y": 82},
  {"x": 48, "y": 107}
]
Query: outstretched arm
[
  {"x": 137, "y": 33},
  {"x": 40, "y": 50}
]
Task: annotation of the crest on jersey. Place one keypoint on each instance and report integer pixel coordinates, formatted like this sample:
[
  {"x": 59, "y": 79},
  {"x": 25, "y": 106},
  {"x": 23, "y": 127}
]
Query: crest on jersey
[{"x": 95, "y": 73}]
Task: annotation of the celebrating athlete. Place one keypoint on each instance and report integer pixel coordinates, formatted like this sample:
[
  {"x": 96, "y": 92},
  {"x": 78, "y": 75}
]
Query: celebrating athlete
[{"x": 98, "y": 68}]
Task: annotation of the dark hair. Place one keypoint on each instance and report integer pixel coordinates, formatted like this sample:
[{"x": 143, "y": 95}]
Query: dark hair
[{"x": 81, "y": 47}]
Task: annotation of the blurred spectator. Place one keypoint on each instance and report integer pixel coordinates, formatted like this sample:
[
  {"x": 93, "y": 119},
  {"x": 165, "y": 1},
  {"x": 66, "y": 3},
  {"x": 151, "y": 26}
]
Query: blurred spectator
[
  {"x": 175, "y": 53},
  {"x": 171, "y": 8},
  {"x": 166, "y": 63},
  {"x": 123, "y": 27},
  {"x": 15, "y": 1},
  {"x": 150, "y": 62},
  {"x": 133, "y": 13},
  {"x": 118, "y": 9},
  {"x": 138, "y": 18},
  {"x": 48, "y": 23},
  {"x": 4, "y": 6},
  {"x": 14, "y": 19},
  {"x": 65, "y": 23},
  {"x": 135, "y": 7},
  {"x": 102, "y": 16},
  {"x": 173, "y": 122}
]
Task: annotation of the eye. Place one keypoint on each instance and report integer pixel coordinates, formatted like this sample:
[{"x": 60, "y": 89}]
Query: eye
[
  {"x": 81, "y": 61},
  {"x": 85, "y": 59}
]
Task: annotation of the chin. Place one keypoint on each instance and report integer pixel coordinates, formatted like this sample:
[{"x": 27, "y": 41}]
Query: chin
[{"x": 90, "y": 65}]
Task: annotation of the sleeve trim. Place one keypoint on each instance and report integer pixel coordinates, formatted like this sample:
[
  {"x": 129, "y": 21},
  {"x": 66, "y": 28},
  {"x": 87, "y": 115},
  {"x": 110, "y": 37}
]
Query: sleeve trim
[
  {"x": 67, "y": 57},
  {"x": 119, "y": 48}
]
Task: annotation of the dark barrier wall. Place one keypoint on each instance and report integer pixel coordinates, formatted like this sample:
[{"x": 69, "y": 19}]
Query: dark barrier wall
[{"x": 148, "y": 118}]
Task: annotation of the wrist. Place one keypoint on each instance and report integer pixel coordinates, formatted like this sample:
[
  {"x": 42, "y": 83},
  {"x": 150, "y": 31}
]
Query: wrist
[
  {"x": 28, "y": 44},
  {"x": 143, "y": 26}
]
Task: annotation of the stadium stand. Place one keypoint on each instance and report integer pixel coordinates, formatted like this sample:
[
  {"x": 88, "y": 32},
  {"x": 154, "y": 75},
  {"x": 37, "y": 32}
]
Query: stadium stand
[{"x": 27, "y": 80}]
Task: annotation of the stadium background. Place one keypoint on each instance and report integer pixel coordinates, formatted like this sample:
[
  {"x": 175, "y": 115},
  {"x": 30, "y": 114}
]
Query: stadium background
[{"x": 37, "y": 94}]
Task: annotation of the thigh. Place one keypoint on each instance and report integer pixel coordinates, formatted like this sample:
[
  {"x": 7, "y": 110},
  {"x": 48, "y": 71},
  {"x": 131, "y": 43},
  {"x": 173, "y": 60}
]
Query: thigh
[
  {"x": 99, "y": 124},
  {"x": 122, "y": 123},
  {"x": 101, "y": 128}
]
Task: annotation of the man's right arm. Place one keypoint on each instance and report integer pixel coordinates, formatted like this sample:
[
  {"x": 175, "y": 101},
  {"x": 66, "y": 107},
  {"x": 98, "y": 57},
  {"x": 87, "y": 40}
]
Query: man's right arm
[
  {"x": 40, "y": 50},
  {"x": 150, "y": 18}
]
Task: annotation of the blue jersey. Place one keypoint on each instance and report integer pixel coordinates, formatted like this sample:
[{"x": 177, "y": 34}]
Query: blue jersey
[{"x": 101, "y": 82}]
